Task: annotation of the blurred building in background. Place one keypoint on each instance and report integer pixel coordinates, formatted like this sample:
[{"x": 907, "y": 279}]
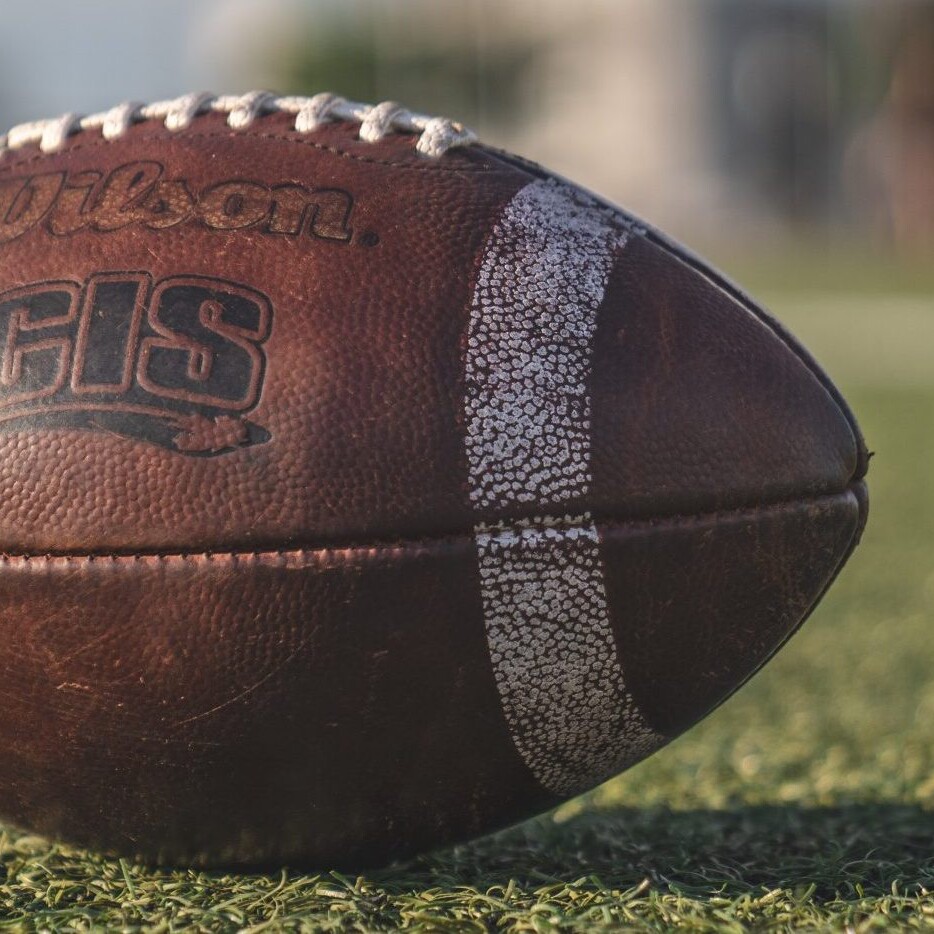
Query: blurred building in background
[{"x": 721, "y": 120}]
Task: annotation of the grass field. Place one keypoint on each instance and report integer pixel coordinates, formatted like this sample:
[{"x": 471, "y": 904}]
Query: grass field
[{"x": 806, "y": 802}]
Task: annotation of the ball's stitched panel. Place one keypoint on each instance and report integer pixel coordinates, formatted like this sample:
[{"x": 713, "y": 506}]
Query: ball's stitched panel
[{"x": 540, "y": 284}]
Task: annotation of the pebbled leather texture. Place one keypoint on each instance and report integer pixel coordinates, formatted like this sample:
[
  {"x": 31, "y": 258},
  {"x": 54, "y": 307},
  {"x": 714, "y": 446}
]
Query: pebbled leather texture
[{"x": 265, "y": 596}]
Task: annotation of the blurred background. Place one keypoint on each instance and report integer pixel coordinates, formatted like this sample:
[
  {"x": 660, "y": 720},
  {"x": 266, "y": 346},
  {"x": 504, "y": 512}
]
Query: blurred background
[{"x": 792, "y": 143}]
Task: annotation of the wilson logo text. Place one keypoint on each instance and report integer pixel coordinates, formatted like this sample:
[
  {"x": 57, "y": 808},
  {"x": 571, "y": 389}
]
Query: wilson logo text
[{"x": 140, "y": 193}]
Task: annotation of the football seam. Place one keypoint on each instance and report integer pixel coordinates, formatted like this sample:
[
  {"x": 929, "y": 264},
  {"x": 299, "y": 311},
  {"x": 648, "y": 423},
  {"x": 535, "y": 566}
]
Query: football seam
[
  {"x": 436, "y": 134},
  {"x": 12, "y": 162},
  {"x": 376, "y": 548}
]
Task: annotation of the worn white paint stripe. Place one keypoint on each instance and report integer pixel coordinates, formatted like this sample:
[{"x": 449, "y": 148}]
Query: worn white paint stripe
[
  {"x": 540, "y": 283},
  {"x": 554, "y": 655},
  {"x": 533, "y": 317}
]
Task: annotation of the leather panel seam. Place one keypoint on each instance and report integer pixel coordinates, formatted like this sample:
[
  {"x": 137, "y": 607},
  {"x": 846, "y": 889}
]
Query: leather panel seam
[
  {"x": 400, "y": 546},
  {"x": 475, "y": 168}
]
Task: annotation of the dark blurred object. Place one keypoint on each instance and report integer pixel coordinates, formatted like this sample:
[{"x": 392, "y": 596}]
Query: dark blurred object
[
  {"x": 775, "y": 92},
  {"x": 890, "y": 164}
]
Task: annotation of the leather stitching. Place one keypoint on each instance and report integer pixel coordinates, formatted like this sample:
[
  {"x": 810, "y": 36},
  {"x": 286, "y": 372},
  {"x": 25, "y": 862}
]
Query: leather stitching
[
  {"x": 399, "y": 546},
  {"x": 422, "y": 166}
]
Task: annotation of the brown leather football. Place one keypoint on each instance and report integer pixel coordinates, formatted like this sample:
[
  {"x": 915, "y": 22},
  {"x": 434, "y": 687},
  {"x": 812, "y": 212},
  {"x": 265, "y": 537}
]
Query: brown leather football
[{"x": 365, "y": 488}]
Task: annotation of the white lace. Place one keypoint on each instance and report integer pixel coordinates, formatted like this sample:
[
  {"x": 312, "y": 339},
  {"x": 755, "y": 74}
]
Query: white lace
[{"x": 436, "y": 134}]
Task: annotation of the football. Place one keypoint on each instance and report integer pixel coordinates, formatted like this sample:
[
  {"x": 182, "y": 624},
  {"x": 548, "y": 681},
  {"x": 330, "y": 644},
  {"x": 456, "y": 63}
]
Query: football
[{"x": 365, "y": 488}]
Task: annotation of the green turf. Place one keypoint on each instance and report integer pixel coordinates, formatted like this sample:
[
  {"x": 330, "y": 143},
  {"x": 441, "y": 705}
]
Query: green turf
[{"x": 805, "y": 802}]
